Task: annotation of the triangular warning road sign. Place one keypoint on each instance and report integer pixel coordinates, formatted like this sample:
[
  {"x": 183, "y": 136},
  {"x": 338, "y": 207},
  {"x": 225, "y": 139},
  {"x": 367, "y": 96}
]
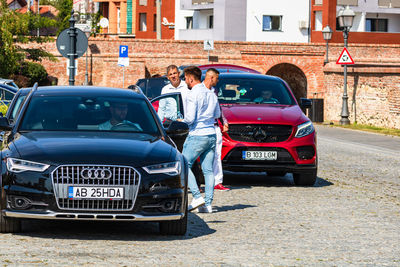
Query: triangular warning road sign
[{"x": 345, "y": 58}]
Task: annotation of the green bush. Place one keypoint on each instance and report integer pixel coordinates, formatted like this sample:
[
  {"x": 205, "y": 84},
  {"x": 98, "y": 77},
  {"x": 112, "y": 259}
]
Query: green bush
[
  {"x": 3, "y": 108},
  {"x": 34, "y": 71}
]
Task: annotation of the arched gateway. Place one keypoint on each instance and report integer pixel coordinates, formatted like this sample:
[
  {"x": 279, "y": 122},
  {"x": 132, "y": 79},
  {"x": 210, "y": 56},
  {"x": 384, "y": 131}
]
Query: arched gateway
[{"x": 293, "y": 75}]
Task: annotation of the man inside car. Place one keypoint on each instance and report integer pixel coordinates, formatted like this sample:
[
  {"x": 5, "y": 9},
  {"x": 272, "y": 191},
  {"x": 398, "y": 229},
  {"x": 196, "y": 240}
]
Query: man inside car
[
  {"x": 118, "y": 112},
  {"x": 266, "y": 97}
]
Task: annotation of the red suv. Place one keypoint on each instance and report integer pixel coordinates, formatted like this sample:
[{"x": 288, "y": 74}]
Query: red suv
[{"x": 268, "y": 130}]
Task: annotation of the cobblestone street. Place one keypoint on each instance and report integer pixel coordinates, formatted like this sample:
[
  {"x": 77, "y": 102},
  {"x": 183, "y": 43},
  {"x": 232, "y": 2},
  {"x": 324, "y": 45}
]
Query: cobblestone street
[{"x": 350, "y": 217}]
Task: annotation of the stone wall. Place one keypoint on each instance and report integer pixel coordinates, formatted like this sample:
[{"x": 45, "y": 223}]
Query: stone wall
[{"x": 374, "y": 78}]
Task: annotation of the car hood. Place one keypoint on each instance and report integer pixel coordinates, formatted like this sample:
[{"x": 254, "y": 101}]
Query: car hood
[
  {"x": 57, "y": 148},
  {"x": 263, "y": 113}
]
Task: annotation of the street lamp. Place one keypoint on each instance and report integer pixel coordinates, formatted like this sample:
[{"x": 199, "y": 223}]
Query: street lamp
[
  {"x": 327, "y": 34},
  {"x": 345, "y": 17}
]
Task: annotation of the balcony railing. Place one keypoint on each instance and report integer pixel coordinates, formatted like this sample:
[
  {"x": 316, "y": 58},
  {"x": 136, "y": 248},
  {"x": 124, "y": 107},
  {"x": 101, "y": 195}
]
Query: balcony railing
[
  {"x": 347, "y": 2},
  {"x": 389, "y": 3},
  {"x": 201, "y": 2}
]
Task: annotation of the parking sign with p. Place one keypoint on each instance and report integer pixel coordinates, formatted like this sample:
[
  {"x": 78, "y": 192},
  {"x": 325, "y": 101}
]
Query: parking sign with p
[{"x": 123, "y": 51}]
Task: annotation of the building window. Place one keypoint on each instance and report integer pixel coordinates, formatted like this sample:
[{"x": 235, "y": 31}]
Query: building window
[
  {"x": 142, "y": 2},
  {"x": 211, "y": 22},
  {"x": 376, "y": 25},
  {"x": 189, "y": 22},
  {"x": 155, "y": 23},
  {"x": 142, "y": 22},
  {"x": 272, "y": 23}
]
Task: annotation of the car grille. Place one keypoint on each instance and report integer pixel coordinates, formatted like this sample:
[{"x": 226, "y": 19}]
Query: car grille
[
  {"x": 259, "y": 133},
  {"x": 71, "y": 175}
]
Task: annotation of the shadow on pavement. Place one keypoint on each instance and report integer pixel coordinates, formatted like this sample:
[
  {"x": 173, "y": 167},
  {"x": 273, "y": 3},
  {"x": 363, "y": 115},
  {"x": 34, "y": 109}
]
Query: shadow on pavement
[
  {"x": 232, "y": 207},
  {"x": 120, "y": 231},
  {"x": 239, "y": 180}
]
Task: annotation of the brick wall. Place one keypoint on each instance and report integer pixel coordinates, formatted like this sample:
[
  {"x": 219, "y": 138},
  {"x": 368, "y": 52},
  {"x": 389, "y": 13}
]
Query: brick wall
[{"x": 375, "y": 78}]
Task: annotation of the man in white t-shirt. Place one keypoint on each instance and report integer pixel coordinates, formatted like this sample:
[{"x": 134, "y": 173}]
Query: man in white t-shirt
[{"x": 168, "y": 107}]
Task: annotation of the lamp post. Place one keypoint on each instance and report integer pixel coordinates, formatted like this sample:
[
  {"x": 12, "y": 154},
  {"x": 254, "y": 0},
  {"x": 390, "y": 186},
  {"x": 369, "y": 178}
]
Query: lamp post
[
  {"x": 327, "y": 34},
  {"x": 345, "y": 17},
  {"x": 72, "y": 53}
]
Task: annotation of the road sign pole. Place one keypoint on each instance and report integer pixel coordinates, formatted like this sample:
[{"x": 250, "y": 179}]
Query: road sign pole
[
  {"x": 72, "y": 52},
  {"x": 345, "y": 109},
  {"x": 123, "y": 77}
]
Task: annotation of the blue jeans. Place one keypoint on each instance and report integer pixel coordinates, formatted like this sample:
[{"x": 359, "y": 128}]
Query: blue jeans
[{"x": 202, "y": 146}]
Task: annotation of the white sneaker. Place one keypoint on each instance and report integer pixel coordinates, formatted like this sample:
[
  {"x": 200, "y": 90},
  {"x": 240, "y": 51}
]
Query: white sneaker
[
  {"x": 205, "y": 209},
  {"x": 196, "y": 202}
]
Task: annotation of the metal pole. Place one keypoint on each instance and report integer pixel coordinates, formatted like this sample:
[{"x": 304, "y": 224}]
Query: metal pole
[
  {"x": 86, "y": 72},
  {"x": 326, "y": 58},
  {"x": 38, "y": 13},
  {"x": 158, "y": 19},
  {"x": 345, "y": 110},
  {"x": 72, "y": 53},
  {"x": 123, "y": 77}
]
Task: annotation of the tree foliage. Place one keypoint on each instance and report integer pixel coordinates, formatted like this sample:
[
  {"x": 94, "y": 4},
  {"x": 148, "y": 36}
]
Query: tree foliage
[
  {"x": 64, "y": 8},
  {"x": 17, "y": 29}
]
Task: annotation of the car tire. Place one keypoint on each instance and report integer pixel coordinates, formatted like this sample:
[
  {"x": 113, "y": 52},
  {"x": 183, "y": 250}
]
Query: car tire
[
  {"x": 305, "y": 179},
  {"x": 276, "y": 173},
  {"x": 178, "y": 227},
  {"x": 9, "y": 225}
]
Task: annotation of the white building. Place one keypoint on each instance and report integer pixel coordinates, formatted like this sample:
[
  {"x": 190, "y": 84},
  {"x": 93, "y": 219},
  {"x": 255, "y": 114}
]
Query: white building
[
  {"x": 371, "y": 15},
  {"x": 245, "y": 20},
  {"x": 376, "y": 16}
]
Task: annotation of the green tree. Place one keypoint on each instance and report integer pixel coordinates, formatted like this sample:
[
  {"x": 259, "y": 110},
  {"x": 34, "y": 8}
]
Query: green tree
[
  {"x": 64, "y": 8},
  {"x": 15, "y": 30}
]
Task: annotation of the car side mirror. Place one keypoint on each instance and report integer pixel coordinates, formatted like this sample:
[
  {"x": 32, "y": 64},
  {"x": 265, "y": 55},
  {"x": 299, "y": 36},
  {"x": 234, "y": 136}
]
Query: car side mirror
[
  {"x": 305, "y": 102},
  {"x": 5, "y": 124},
  {"x": 177, "y": 128}
]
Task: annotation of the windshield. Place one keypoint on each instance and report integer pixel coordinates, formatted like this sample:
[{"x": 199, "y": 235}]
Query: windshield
[
  {"x": 73, "y": 113},
  {"x": 258, "y": 91}
]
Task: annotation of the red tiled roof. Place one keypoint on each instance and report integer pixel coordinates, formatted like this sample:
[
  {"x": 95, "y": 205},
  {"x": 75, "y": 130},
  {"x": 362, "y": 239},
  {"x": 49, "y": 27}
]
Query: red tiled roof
[{"x": 45, "y": 9}]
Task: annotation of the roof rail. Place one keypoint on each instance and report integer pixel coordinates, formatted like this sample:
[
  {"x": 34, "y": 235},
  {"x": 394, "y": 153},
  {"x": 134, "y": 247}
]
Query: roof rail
[
  {"x": 35, "y": 86},
  {"x": 135, "y": 88}
]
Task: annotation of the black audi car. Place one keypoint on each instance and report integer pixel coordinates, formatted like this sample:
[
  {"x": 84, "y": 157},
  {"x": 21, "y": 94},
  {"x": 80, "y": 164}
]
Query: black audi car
[{"x": 90, "y": 153}]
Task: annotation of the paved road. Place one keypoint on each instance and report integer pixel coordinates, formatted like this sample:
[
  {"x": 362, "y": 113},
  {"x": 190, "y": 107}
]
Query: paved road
[{"x": 349, "y": 218}]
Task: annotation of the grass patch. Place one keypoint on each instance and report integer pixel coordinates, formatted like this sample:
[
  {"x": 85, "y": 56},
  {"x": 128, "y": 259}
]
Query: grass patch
[{"x": 371, "y": 128}]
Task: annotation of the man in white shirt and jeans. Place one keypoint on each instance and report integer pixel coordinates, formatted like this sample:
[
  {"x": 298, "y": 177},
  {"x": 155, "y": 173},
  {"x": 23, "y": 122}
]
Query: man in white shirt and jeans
[
  {"x": 210, "y": 81},
  {"x": 200, "y": 115},
  {"x": 168, "y": 107}
]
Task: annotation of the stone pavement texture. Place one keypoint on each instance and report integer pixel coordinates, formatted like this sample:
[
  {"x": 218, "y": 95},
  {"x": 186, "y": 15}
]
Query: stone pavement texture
[{"x": 351, "y": 217}]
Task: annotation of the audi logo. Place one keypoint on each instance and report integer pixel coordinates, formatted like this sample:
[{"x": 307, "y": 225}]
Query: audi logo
[{"x": 96, "y": 173}]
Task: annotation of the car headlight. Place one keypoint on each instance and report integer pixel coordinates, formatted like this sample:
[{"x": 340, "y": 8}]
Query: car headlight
[
  {"x": 170, "y": 168},
  {"x": 20, "y": 165},
  {"x": 304, "y": 129}
]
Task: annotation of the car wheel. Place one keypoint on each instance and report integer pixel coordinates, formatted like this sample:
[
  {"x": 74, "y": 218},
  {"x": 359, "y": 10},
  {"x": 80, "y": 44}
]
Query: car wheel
[
  {"x": 276, "y": 173},
  {"x": 178, "y": 227},
  {"x": 9, "y": 225},
  {"x": 305, "y": 179}
]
